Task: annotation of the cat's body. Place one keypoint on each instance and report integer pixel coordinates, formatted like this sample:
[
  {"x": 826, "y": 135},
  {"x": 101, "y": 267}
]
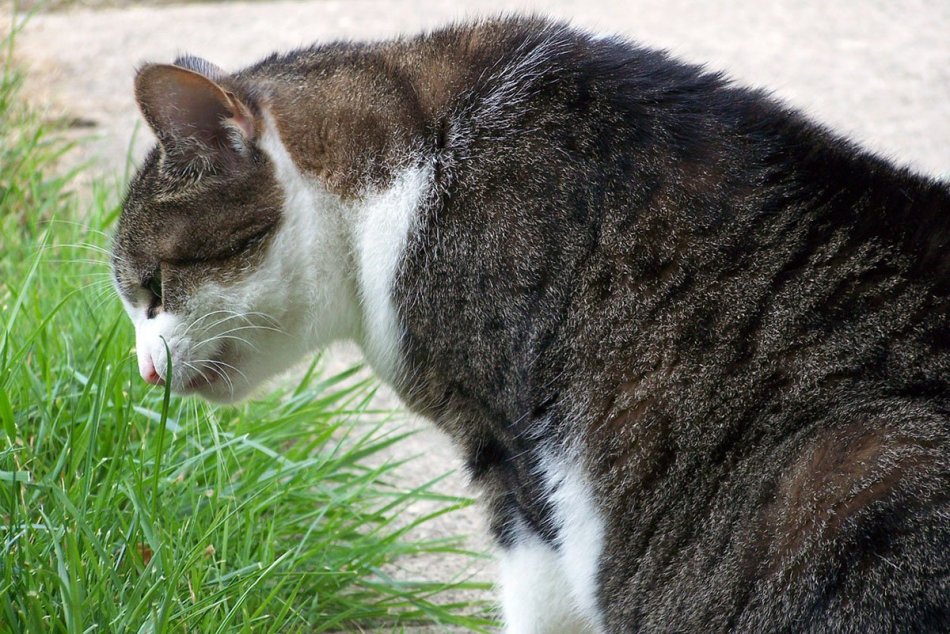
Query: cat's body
[{"x": 694, "y": 349}]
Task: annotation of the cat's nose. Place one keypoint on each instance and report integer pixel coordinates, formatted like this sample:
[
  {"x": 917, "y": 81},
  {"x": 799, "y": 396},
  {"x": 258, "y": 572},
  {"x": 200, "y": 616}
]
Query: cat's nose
[{"x": 148, "y": 371}]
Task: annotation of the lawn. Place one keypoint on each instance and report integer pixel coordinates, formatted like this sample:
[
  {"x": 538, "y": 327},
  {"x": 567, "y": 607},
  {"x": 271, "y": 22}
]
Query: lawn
[{"x": 126, "y": 509}]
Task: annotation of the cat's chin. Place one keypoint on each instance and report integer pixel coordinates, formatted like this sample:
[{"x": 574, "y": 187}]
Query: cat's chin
[
  {"x": 219, "y": 379},
  {"x": 218, "y": 392}
]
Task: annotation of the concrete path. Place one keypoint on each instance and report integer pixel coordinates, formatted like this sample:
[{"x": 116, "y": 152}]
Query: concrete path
[{"x": 878, "y": 71}]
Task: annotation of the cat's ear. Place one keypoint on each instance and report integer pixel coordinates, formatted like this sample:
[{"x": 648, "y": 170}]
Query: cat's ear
[
  {"x": 191, "y": 114},
  {"x": 201, "y": 66}
]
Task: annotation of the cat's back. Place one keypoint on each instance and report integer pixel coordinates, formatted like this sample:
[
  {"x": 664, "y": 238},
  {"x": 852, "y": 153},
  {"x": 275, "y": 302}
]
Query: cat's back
[{"x": 742, "y": 316}]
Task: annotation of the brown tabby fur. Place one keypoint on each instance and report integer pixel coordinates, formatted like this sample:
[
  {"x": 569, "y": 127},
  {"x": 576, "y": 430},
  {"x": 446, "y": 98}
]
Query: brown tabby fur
[{"x": 738, "y": 319}]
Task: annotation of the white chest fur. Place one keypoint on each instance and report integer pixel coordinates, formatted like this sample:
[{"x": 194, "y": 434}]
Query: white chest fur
[
  {"x": 349, "y": 253},
  {"x": 553, "y": 590},
  {"x": 352, "y": 252},
  {"x": 385, "y": 220}
]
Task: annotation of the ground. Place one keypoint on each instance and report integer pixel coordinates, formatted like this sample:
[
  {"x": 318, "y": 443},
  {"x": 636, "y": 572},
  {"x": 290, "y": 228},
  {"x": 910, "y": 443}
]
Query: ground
[{"x": 879, "y": 72}]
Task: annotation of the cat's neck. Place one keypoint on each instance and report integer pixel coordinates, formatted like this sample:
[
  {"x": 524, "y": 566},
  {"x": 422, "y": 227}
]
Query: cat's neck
[
  {"x": 356, "y": 154},
  {"x": 355, "y": 115},
  {"x": 354, "y": 131},
  {"x": 347, "y": 249},
  {"x": 315, "y": 238}
]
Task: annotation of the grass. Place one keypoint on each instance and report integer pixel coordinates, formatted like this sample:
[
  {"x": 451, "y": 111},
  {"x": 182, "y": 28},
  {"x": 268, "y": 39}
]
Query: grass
[{"x": 125, "y": 509}]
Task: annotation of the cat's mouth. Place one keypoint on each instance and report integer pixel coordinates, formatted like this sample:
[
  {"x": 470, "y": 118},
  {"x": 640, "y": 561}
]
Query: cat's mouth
[
  {"x": 209, "y": 374},
  {"x": 201, "y": 379}
]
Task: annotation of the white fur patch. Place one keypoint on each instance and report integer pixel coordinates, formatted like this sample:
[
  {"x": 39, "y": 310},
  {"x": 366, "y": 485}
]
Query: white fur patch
[
  {"x": 535, "y": 593},
  {"x": 548, "y": 590},
  {"x": 580, "y": 534},
  {"x": 312, "y": 251},
  {"x": 385, "y": 220},
  {"x": 151, "y": 336}
]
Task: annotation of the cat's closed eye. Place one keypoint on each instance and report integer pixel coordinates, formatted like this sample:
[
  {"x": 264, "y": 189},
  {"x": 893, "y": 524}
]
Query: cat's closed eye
[{"x": 153, "y": 284}]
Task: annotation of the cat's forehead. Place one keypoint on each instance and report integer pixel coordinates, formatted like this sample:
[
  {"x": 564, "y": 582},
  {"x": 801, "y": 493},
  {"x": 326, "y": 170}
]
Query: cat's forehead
[{"x": 168, "y": 219}]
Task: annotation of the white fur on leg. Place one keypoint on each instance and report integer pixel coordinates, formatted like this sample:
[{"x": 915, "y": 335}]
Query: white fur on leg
[
  {"x": 535, "y": 594},
  {"x": 580, "y": 534}
]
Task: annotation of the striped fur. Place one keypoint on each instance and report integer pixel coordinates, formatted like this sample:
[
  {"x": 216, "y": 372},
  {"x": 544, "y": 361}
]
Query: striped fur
[{"x": 694, "y": 347}]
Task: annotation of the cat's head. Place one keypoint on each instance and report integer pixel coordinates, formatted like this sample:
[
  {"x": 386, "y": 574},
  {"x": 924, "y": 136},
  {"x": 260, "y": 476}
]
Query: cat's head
[{"x": 217, "y": 272}]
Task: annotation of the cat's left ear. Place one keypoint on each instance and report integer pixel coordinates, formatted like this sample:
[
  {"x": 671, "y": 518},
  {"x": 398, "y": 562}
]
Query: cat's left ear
[{"x": 191, "y": 114}]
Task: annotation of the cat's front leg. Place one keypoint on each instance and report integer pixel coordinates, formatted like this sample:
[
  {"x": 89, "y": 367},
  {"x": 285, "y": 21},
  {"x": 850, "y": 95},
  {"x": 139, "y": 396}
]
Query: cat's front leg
[{"x": 535, "y": 593}]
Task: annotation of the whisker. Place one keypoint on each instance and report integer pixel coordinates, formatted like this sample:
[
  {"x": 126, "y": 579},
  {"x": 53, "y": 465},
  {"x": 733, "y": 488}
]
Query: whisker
[
  {"x": 222, "y": 374},
  {"x": 232, "y": 337},
  {"x": 100, "y": 274},
  {"x": 80, "y": 245},
  {"x": 85, "y": 226},
  {"x": 250, "y": 327},
  {"x": 233, "y": 315},
  {"x": 215, "y": 362},
  {"x": 78, "y": 261},
  {"x": 197, "y": 371},
  {"x": 230, "y": 314}
]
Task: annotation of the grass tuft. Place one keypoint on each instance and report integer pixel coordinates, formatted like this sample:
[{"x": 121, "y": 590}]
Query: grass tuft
[{"x": 123, "y": 509}]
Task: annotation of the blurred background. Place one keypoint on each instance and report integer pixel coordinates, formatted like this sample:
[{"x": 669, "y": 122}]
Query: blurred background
[{"x": 876, "y": 70}]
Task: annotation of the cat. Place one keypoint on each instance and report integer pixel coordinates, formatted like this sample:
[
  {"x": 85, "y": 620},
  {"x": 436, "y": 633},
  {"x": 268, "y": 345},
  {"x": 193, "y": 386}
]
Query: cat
[{"x": 693, "y": 347}]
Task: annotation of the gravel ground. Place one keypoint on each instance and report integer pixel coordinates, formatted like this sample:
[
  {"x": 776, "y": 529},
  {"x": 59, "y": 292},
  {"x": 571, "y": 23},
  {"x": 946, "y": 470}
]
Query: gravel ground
[{"x": 879, "y": 71}]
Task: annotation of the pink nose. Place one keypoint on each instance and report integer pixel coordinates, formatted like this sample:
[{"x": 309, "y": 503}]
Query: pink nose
[{"x": 149, "y": 373}]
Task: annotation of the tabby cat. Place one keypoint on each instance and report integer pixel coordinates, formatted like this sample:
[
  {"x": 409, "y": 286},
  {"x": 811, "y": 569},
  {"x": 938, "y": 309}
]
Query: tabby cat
[{"x": 694, "y": 348}]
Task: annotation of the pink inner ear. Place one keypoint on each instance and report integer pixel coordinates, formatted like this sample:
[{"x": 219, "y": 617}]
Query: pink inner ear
[
  {"x": 196, "y": 104},
  {"x": 240, "y": 116},
  {"x": 183, "y": 105}
]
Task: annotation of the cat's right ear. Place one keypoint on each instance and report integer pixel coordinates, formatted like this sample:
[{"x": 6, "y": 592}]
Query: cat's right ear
[{"x": 193, "y": 116}]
